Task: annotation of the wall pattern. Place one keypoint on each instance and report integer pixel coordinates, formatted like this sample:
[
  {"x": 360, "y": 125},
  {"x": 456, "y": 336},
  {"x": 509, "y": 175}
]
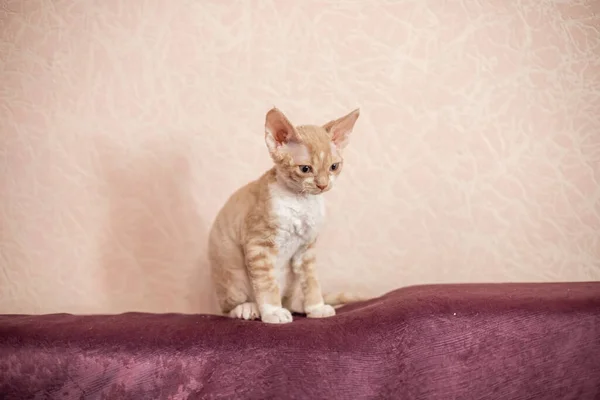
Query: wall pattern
[{"x": 124, "y": 125}]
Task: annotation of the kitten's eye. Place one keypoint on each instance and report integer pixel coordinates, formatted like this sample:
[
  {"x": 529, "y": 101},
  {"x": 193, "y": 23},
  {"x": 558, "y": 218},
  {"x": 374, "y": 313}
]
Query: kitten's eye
[
  {"x": 334, "y": 166},
  {"x": 305, "y": 169}
]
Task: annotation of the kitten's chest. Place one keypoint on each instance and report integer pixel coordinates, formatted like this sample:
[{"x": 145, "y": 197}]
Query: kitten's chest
[{"x": 299, "y": 219}]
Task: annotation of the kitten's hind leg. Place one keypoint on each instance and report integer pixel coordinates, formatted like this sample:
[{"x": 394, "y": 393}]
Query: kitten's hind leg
[
  {"x": 245, "y": 311},
  {"x": 235, "y": 294},
  {"x": 230, "y": 279}
]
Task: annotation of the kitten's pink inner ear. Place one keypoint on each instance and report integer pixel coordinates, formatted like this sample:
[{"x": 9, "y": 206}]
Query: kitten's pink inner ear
[
  {"x": 280, "y": 127},
  {"x": 341, "y": 128},
  {"x": 281, "y": 136}
]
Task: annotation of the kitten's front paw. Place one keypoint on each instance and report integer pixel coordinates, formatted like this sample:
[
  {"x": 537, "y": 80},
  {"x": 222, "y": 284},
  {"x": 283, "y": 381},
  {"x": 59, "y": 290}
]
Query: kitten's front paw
[
  {"x": 322, "y": 311},
  {"x": 276, "y": 315}
]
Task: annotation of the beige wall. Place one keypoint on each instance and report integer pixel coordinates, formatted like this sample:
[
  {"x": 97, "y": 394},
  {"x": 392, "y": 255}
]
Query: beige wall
[{"x": 124, "y": 125}]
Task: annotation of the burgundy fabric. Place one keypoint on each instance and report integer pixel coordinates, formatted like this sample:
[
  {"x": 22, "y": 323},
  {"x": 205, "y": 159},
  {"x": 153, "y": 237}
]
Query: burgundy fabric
[{"x": 498, "y": 341}]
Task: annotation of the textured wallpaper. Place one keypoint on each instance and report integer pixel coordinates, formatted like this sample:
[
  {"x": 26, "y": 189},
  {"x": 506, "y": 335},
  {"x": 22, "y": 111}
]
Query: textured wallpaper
[{"x": 125, "y": 125}]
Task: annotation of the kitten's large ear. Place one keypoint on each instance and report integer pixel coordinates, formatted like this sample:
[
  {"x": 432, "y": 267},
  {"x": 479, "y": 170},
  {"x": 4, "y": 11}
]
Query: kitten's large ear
[
  {"x": 341, "y": 128},
  {"x": 278, "y": 130}
]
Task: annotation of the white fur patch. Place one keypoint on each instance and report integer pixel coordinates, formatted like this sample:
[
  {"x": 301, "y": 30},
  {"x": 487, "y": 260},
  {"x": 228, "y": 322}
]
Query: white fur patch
[
  {"x": 268, "y": 308},
  {"x": 300, "y": 218},
  {"x": 333, "y": 149},
  {"x": 310, "y": 309},
  {"x": 275, "y": 315},
  {"x": 298, "y": 151},
  {"x": 245, "y": 311},
  {"x": 323, "y": 311}
]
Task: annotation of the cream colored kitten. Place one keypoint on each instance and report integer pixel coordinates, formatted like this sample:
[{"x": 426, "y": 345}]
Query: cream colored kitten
[{"x": 261, "y": 245}]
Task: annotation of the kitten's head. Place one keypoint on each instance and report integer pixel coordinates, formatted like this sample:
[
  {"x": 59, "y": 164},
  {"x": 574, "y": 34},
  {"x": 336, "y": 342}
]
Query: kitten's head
[{"x": 308, "y": 158}]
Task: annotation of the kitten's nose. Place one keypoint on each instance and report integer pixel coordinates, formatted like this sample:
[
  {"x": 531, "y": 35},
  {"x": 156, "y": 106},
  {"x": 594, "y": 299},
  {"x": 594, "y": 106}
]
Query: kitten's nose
[{"x": 322, "y": 187}]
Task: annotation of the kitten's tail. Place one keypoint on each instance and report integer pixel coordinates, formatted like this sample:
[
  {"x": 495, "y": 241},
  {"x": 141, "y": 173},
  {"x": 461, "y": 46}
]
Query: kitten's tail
[{"x": 341, "y": 298}]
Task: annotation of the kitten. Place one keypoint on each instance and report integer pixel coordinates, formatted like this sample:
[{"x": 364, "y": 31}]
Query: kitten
[{"x": 262, "y": 243}]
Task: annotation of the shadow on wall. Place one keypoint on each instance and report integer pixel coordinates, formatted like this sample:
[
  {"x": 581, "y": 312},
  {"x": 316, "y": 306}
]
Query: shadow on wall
[{"x": 154, "y": 248}]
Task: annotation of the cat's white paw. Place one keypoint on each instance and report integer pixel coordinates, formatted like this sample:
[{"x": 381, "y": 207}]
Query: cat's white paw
[
  {"x": 245, "y": 311},
  {"x": 276, "y": 315},
  {"x": 322, "y": 311}
]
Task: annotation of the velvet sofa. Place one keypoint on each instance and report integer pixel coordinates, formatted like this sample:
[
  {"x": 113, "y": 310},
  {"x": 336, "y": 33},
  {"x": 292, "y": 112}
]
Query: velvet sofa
[{"x": 475, "y": 341}]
